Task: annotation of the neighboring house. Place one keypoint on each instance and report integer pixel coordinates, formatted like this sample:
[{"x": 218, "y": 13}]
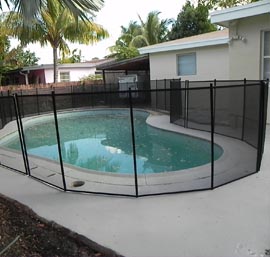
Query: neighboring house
[
  {"x": 41, "y": 74},
  {"x": 242, "y": 50}
]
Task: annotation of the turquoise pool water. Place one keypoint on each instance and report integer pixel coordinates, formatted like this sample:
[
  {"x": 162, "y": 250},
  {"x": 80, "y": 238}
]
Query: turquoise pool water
[{"x": 101, "y": 140}]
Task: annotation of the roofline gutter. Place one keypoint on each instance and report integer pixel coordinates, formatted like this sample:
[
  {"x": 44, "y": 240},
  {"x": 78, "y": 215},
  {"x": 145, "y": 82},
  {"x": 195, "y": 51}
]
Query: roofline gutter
[{"x": 183, "y": 46}]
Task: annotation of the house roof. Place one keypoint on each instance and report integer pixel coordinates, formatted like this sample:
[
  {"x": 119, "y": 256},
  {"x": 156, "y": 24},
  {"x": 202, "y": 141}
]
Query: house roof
[
  {"x": 207, "y": 39},
  {"x": 223, "y": 17},
  {"x": 137, "y": 63},
  {"x": 89, "y": 64}
]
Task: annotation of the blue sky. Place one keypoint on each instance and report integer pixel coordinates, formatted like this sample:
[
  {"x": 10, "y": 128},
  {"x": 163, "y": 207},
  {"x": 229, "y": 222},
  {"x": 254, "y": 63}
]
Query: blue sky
[{"x": 114, "y": 14}]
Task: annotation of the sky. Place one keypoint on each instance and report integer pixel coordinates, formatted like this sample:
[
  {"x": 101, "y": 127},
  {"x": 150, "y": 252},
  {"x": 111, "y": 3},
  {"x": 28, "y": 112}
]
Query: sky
[{"x": 112, "y": 16}]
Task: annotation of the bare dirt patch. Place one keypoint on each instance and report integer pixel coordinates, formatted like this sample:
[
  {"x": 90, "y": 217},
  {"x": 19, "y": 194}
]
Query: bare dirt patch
[{"x": 34, "y": 236}]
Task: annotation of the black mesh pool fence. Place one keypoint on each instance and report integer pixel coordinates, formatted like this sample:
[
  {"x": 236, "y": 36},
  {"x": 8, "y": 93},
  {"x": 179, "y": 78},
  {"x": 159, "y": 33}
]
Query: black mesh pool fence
[{"x": 227, "y": 118}]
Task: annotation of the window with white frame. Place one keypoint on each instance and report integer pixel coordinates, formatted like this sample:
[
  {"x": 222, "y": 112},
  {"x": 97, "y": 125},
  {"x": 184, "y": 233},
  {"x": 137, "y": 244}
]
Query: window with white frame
[
  {"x": 64, "y": 76},
  {"x": 266, "y": 55},
  {"x": 186, "y": 64}
]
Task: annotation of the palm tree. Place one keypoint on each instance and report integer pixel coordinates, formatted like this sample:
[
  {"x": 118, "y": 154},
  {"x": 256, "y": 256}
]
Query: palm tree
[
  {"x": 31, "y": 9},
  {"x": 150, "y": 32},
  {"x": 153, "y": 29},
  {"x": 56, "y": 26}
]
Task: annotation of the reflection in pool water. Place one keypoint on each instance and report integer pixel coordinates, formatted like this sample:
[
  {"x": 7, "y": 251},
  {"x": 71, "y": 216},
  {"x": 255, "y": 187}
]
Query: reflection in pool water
[{"x": 101, "y": 140}]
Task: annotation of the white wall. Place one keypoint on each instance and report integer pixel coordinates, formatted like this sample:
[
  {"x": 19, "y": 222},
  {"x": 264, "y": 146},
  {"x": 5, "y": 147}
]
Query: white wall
[
  {"x": 212, "y": 63},
  {"x": 245, "y": 56},
  {"x": 48, "y": 75},
  {"x": 75, "y": 73}
]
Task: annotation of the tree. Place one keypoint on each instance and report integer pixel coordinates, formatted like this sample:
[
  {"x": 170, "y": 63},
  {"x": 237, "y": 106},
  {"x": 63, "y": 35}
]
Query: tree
[
  {"x": 18, "y": 58},
  {"x": 192, "y": 21},
  {"x": 149, "y": 32},
  {"x": 30, "y": 10},
  {"x": 123, "y": 49},
  {"x": 153, "y": 30},
  {"x": 215, "y": 4},
  {"x": 73, "y": 58},
  {"x": 56, "y": 26}
]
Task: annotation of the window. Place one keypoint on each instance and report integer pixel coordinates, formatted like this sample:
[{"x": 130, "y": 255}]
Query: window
[
  {"x": 186, "y": 64},
  {"x": 266, "y": 55},
  {"x": 64, "y": 76}
]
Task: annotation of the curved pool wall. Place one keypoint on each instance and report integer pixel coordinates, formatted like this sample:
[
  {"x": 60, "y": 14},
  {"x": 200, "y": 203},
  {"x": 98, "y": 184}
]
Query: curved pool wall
[
  {"x": 234, "y": 120},
  {"x": 101, "y": 141}
]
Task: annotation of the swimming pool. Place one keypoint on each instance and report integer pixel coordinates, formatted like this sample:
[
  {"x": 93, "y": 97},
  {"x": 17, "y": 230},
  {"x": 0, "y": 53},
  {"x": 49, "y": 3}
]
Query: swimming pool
[{"x": 100, "y": 140}]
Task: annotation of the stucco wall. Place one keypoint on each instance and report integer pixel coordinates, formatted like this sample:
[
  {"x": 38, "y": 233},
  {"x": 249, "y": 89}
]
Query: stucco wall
[
  {"x": 212, "y": 63},
  {"x": 75, "y": 73},
  {"x": 245, "y": 56}
]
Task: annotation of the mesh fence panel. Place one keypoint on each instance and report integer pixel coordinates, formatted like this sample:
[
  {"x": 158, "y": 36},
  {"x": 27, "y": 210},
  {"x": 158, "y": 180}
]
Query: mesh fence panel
[
  {"x": 96, "y": 143},
  {"x": 239, "y": 107},
  {"x": 10, "y": 147},
  {"x": 198, "y": 109},
  {"x": 40, "y": 139},
  {"x": 178, "y": 103},
  {"x": 252, "y": 115},
  {"x": 165, "y": 159},
  {"x": 229, "y": 111}
]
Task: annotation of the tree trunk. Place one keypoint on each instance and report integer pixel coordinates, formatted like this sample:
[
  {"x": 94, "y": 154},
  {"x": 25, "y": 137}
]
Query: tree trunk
[{"x": 55, "y": 65}]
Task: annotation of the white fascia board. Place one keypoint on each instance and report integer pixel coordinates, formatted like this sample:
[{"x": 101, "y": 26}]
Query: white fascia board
[
  {"x": 60, "y": 66},
  {"x": 224, "y": 16},
  {"x": 38, "y": 67},
  {"x": 186, "y": 45}
]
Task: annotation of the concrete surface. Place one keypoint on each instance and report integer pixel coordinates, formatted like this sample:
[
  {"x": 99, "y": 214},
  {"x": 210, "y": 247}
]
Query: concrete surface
[{"x": 233, "y": 220}]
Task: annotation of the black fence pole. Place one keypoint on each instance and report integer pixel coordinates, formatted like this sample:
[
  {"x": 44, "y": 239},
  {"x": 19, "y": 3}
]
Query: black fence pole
[
  {"x": 22, "y": 112},
  {"x": 187, "y": 102},
  {"x": 212, "y": 134},
  {"x": 215, "y": 97},
  {"x": 244, "y": 110},
  {"x": 37, "y": 99},
  {"x": 156, "y": 94},
  {"x": 133, "y": 142},
  {"x": 21, "y": 135},
  {"x": 9, "y": 109},
  {"x": 72, "y": 96},
  {"x": 165, "y": 95},
  {"x": 58, "y": 141},
  {"x": 262, "y": 124}
]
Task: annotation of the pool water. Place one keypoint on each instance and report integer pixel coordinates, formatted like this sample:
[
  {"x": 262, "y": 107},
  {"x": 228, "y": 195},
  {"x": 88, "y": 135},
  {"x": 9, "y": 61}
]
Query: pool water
[{"x": 101, "y": 140}]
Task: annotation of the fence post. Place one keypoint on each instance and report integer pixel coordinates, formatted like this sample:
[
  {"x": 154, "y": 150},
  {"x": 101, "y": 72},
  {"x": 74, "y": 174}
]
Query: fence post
[
  {"x": 262, "y": 123},
  {"x": 212, "y": 134},
  {"x": 214, "y": 100},
  {"x": 58, "y": 141},
  {"x": 72, "y": 96},
  {"x": 21, "y": 135},
  {"x": 22, "y": 113},
  {"x": 133, "y": 142},
  {"x": 165, "y": 94},
  {"x": 37, "y": 98},
  {"x": 156, "y": 95},
  {"x": 186, "y": 102},
  {"x": 244, "y": 110}
]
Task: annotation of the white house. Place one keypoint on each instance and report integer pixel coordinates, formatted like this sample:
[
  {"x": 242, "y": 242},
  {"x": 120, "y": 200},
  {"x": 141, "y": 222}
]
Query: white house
[
  {"x": 41, "y": 74},
  {"x": 241, "y": 50}
]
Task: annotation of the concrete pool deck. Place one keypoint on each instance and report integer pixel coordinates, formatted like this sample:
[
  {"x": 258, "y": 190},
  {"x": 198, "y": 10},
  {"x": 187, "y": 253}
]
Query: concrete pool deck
[{"x": 232, "y": 220}]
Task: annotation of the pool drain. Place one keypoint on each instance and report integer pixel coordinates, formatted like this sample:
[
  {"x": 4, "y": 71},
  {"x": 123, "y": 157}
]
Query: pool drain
[{"x": 77, "y": 183}]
